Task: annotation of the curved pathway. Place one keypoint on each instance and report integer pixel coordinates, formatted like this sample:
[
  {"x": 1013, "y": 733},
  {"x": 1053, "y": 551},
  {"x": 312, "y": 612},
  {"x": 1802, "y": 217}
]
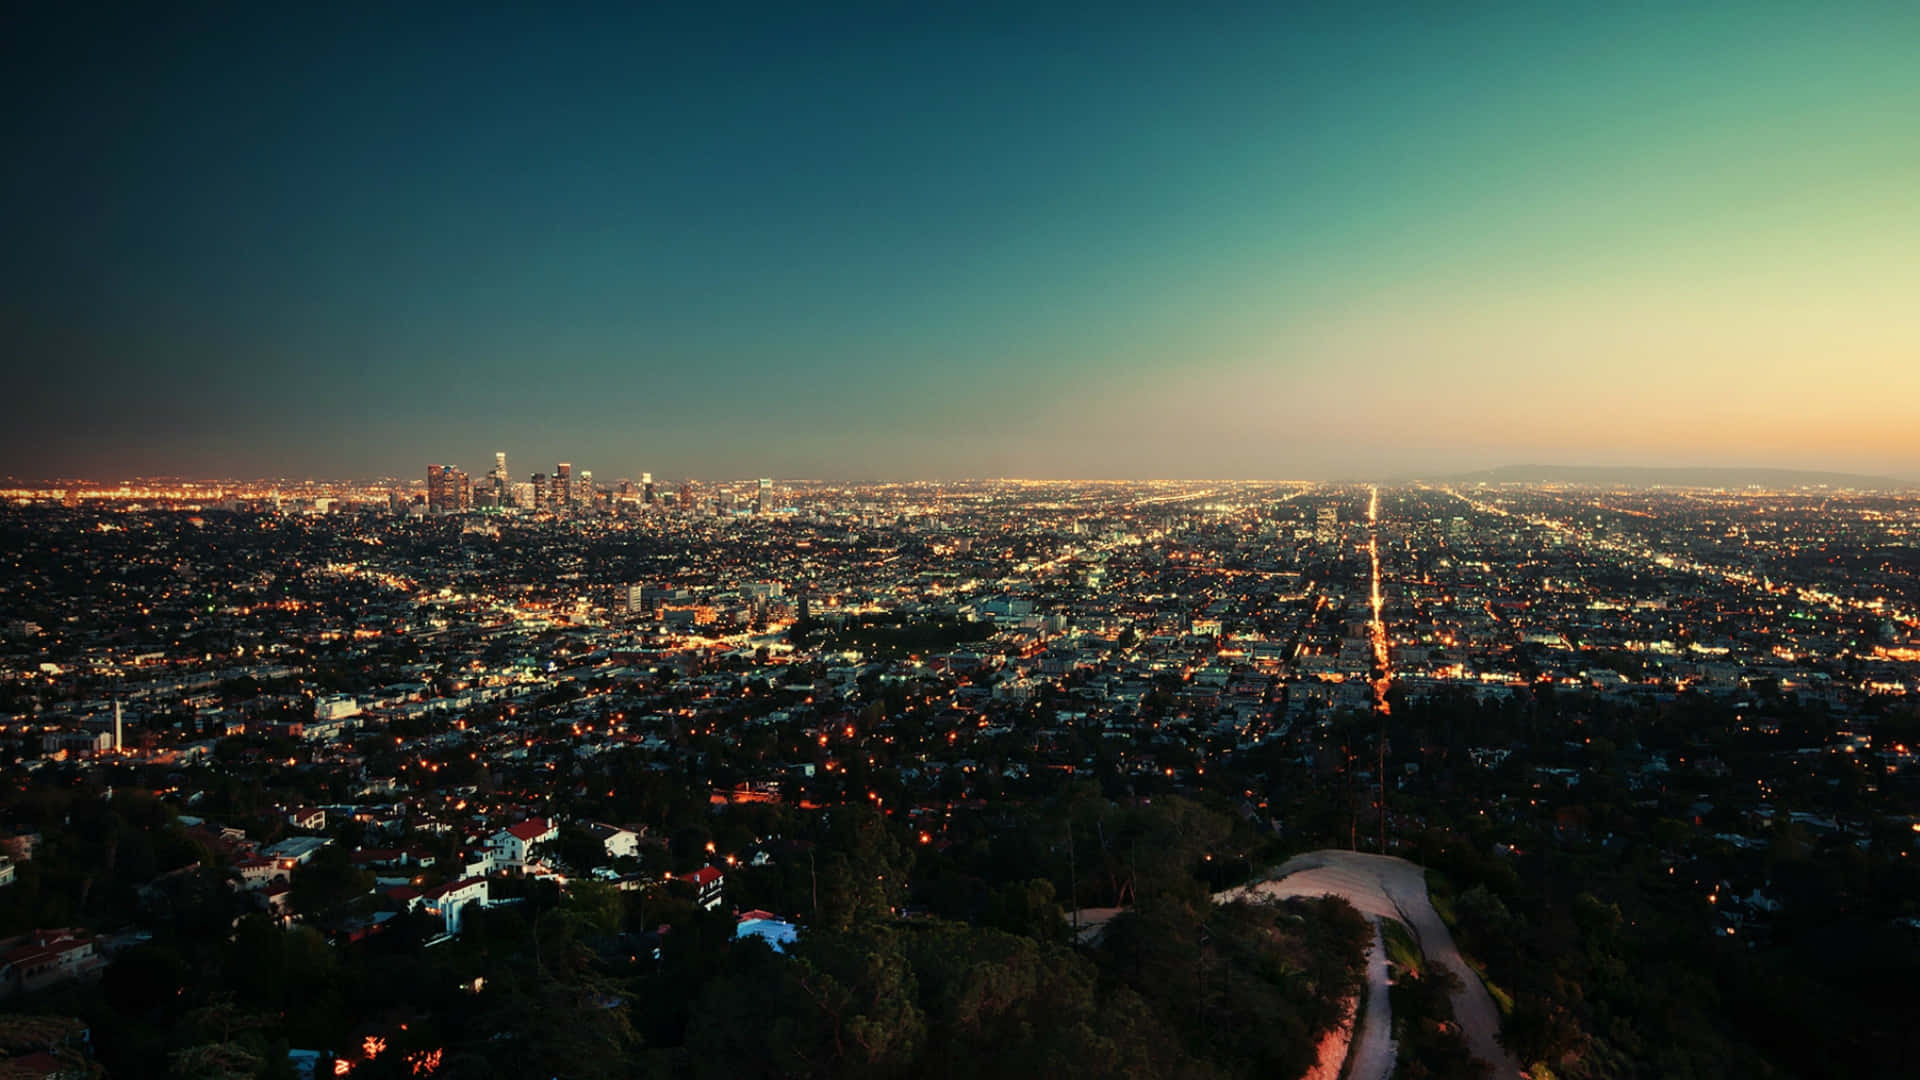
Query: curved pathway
[
  {"x": 1373, "y": 1051},
  {"x": 1382, "y": 886}
]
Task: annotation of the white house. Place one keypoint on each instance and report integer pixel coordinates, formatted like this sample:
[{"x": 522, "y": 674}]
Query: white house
[
  {"x": 258, "y": 873},
  {"x": 449, "y": 901},
  {"x": 513, "y": 845},
  {"x": 336, "y": 707},
  {"x": 620, "y": 843},
  {"x": 478, "y": 863}
]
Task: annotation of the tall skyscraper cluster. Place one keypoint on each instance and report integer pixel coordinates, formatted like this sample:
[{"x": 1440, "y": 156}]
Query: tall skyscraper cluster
[
  {"x": 449, "y": 490},
  {"x": 565, "y": 491}
]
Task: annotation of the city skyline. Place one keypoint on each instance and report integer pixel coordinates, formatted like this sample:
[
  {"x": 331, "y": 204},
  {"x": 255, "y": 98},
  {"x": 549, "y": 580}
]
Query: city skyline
[
  {"x": 994, "y": 735},
  {"x": 639, "y": 480},
  {"x": 1004, "y": 242},
  {"x": 998, "y": 539}
]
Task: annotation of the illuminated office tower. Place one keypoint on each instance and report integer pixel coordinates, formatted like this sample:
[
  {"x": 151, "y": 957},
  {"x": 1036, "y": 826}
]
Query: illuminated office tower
[
  {"x": 583, "y": 495},
  {"x": 562, "y": 496},
  {"x": 763, "y": 501},
  {"x": 498, "y": 477},
  {"x": 539, "y": 491},
  {"x": 436, "y": 489},
  {"x": 646, "y": 488},
  {"x": 461, "y": 486}
]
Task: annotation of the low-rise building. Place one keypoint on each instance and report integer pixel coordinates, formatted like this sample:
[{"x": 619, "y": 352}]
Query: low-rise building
[
  {"x": 513, "y": 845},
  {"x": 620, "y": 843},
  {"x": 47, "y": 958},
  {"x": 710, "y": 886}
]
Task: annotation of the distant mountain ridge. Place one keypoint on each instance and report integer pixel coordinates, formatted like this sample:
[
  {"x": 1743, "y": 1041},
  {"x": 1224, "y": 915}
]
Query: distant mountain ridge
[{"x": 1642, "y": 476}]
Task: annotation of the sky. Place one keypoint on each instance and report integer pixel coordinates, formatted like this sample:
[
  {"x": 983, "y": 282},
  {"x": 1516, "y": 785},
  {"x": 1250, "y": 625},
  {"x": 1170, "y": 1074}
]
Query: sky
[{"x": 959, "y": 240}]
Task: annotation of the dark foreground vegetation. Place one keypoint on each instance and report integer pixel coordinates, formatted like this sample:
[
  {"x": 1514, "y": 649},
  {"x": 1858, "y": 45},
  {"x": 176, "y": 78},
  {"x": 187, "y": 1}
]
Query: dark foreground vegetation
[{"x": 910, "y": 962}]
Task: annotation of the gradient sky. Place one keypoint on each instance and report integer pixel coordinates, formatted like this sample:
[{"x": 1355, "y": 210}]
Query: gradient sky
[{"x": 968, "y": 239}]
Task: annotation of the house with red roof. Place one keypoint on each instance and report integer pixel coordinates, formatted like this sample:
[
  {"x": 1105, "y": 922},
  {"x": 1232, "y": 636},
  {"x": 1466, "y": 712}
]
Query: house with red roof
[
  {"x": 513, "y": 845},
  {"x": 258, "y": 873},
  {"x": 46, "y": 958},
  {"x": 276, "y": 900},
  {"x": 710, "y": 886}
]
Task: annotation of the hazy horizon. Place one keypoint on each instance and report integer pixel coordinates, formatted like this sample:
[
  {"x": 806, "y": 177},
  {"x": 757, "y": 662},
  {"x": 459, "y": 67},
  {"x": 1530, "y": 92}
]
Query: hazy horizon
[
  {"x": 1012, "y": 240},
  {"x": 1812, "y": 477}
]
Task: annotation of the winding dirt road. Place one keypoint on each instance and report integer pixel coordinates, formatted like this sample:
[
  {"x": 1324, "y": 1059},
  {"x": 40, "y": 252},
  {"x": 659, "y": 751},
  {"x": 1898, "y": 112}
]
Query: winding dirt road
[
  {"x": 1382, "y": 886},
  {"x": 1373, "y": 1051}
]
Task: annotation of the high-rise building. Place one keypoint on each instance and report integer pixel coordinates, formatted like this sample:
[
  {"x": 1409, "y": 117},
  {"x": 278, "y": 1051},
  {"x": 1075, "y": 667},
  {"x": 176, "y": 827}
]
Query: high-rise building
[
  {"x": 763, "y": 500},
  {"x": 449, "y": 490},
  {"x": 539, "y": 491},
  {"x": 562, "y": 486},
  {"x": 498, "y": 478},
  {"x": 1326, "y": 526},
  {"x": 646, "y": 488},
  {"x": 583, "y": 494}
]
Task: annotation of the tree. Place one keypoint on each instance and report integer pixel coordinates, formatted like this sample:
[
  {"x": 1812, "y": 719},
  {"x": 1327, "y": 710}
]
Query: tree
[
  {"x": 998, "y": 1005},
  {"x": 838, "y": 1005},
  {"x": 579, "y": 849},
  {"x": 597, "y": 906},
  {"x": 326, "y": 881},
  {"x": 861, "y": 868},
  {"x": 143, "y": 979},
  {"x": 228, "y": 1044},
  {"x": 1027, "y": 908},
  {"x": 215, "y": 1061}
]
